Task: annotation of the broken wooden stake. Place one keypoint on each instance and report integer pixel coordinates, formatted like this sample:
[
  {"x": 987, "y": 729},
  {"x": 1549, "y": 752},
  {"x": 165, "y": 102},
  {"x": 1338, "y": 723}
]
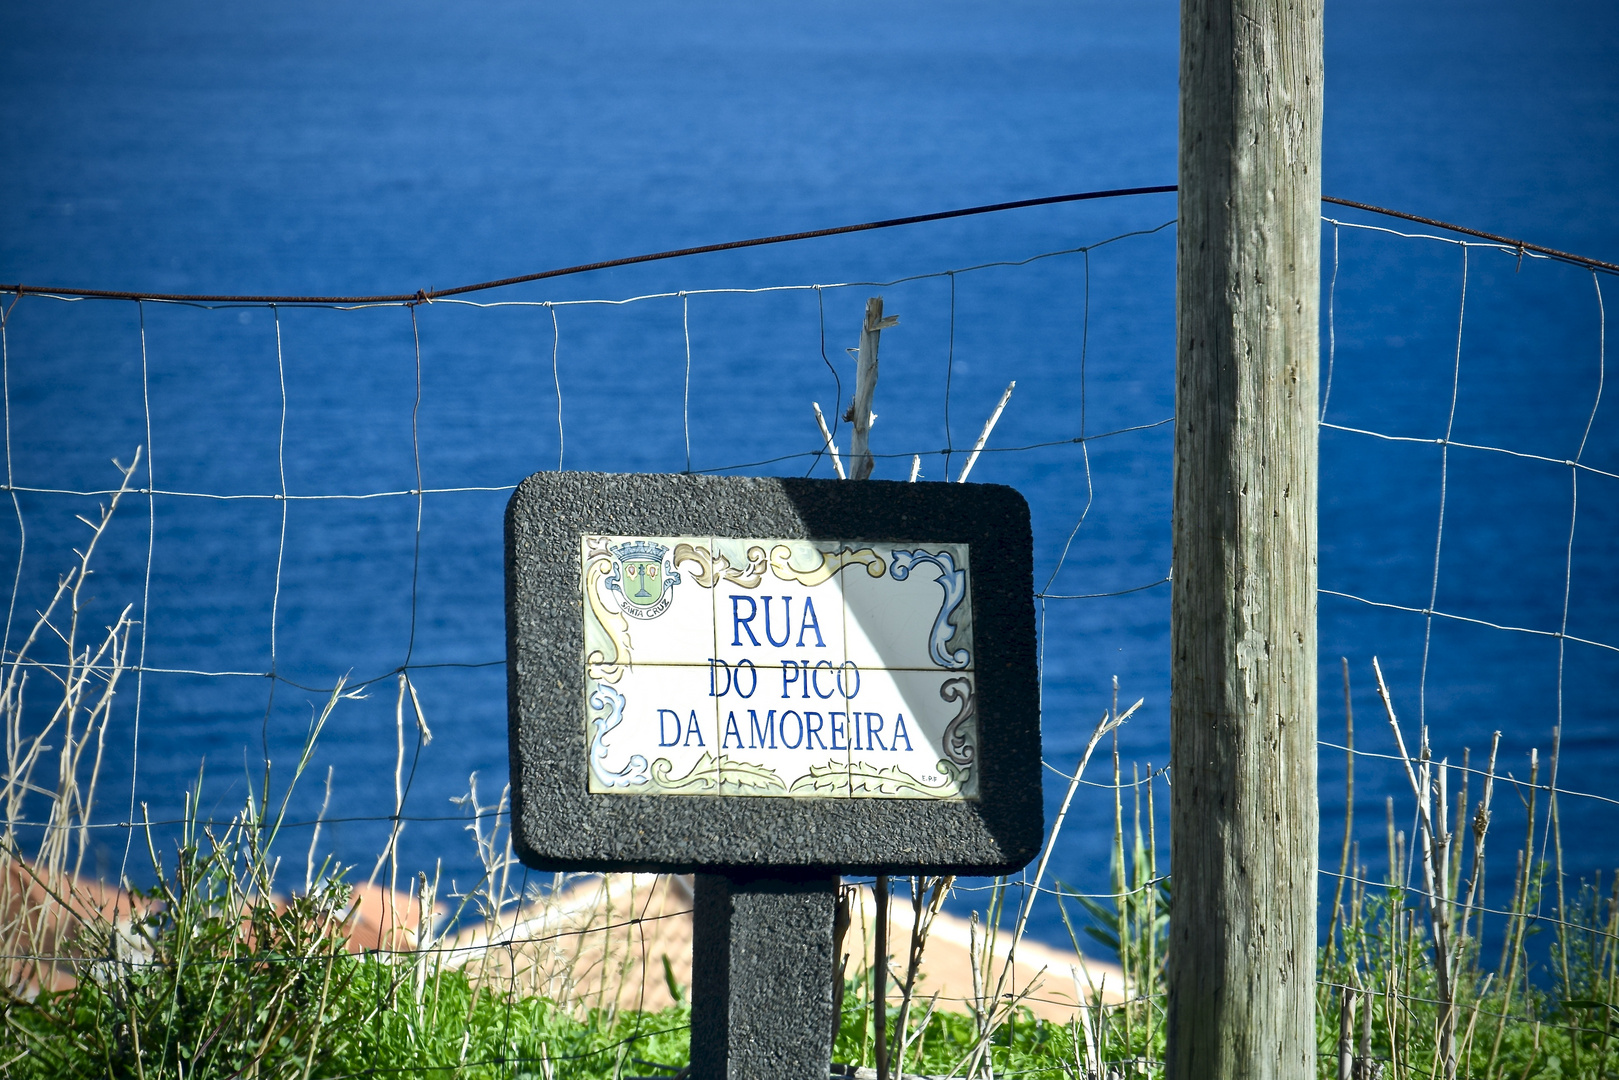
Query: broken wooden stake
[{"x": 865, "y": 387}]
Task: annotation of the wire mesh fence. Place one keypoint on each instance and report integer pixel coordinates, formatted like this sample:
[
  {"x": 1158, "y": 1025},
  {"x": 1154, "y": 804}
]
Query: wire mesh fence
[{"x": 270, "y": 633}]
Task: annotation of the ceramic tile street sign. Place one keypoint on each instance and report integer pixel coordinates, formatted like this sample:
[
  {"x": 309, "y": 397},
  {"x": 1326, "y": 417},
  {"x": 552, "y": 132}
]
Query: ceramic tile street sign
[
  {"x": 775, "y": 667},
  {"x": 724, "y": 672}
]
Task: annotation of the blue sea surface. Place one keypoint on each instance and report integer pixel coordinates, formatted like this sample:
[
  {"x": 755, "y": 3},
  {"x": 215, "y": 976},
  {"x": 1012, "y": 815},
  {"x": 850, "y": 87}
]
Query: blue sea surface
[{"x": 354, "y": 149}]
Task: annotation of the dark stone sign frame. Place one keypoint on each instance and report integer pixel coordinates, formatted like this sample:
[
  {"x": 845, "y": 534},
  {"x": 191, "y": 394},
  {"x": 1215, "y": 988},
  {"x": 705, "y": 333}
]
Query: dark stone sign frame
[{"x": 558, "y": 825}]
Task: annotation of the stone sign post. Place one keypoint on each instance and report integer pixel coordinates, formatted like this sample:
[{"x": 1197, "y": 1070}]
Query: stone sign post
[{"x": 769, "y": 683}]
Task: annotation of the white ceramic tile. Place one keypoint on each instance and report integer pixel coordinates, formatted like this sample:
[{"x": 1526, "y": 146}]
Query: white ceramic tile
[
  {"x": 665, "y": 616},
  {"x": 780, "y": 603},
  {"x": 783, "y": 747},
  {"x": 918, "y": 615},
  {"x": 905, "y": 742},
  {"x": 664, "y": 740},
  {"x": 778, "y": 668},
  {"x": 806, "y": 685}
]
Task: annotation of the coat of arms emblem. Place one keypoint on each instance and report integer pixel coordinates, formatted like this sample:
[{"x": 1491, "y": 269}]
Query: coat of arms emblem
[{"x": 644, "y": 576}]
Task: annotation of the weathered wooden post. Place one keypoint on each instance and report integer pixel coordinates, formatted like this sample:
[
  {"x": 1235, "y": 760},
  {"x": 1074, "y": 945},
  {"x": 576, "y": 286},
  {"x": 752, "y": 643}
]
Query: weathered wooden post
[
  {"x": 865, "y": 385},
  {"x": 1243, "y": 617}
]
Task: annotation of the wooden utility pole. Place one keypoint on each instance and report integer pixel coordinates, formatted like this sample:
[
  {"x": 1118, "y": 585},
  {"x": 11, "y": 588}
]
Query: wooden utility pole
[{"x": 1243, "y": 617}]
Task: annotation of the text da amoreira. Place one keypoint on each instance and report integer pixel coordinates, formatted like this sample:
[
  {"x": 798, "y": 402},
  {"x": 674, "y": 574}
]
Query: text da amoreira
[{"x": 817, "y": 727}]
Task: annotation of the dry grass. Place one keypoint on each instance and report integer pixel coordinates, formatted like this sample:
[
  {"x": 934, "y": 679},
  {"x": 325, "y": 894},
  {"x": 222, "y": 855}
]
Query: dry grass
[{"x": 51, "y": 771}]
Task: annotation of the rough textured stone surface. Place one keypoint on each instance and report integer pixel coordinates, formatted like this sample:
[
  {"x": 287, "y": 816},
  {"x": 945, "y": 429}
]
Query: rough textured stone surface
[
  {"x": 762, "y": 972},
  {"x": 559, "y": 825}
]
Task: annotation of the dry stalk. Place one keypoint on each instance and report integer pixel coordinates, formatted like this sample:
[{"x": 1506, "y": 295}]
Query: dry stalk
[
  {"x": 1090, "y": 1026},
  {"x": 1429, "y": 784},
  {"x": 826, "y": 437},
  {"x": 43, "y": 901},
  {"x": 995, "y": 1010},
  {"x": 840, "y": 929},
  {"x": 1518, "y": 920},
  {"x": 927, "y": 900},
  {"x": 1348, "y": 1000},
  {"x": 390, "y": 851},
  {"x": 879, "y": 981},
  {"x": 1349, "y": 804}
]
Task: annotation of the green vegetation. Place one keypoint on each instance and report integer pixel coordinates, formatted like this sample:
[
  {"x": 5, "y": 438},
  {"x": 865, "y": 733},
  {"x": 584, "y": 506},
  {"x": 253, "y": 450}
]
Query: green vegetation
[
  {"x": 334, "y": 1015},
  {"x": 365, "y": 1027}
]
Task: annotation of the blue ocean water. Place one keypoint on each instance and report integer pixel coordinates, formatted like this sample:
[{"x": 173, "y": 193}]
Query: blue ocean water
[{"x": 347, "y": 148}]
